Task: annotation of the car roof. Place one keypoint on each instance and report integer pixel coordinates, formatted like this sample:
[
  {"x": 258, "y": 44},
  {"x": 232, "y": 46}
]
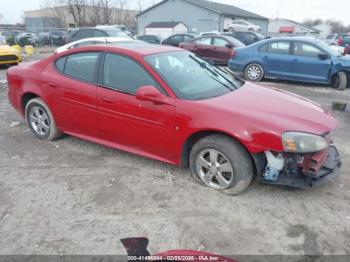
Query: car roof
[{"x": 135, "y": 47}]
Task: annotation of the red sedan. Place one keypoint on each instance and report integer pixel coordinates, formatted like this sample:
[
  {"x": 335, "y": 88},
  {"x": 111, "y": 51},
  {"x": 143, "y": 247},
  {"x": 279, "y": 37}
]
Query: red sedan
[
  {"x": 216, "y": 48},
  {"x": 167, "y": 104}
]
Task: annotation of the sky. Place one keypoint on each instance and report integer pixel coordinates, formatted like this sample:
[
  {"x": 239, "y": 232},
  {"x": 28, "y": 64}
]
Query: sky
[{"x": 11, "y": 11}]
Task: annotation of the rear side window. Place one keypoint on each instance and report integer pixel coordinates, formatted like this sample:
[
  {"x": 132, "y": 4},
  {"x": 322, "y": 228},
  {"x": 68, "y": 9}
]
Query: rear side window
[
  {"x": 124, "y": 74},
  {"x": 220, "y": 42},
  {"x": 80, "y": 66},
  {"x": 60, "y": 64},
  {"x": 188, "y": 38},
  {"x": 279, "y": 47}
]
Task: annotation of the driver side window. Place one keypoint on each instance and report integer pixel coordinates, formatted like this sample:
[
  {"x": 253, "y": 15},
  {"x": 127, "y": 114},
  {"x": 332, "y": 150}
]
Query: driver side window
[
  {"x": 304, "y": 49},
  {"x": 119, "y": 73}
]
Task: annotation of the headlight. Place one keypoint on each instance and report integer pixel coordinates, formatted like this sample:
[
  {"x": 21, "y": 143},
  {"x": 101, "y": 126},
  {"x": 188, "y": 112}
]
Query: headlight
[{"x": 296, "y": 142}]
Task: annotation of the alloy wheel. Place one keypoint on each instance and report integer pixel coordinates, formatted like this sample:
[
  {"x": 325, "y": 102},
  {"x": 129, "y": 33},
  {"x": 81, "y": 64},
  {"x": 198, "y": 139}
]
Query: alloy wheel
[
  {"x": 214, "y": 169},
  {"x": 39, "y": 120}
]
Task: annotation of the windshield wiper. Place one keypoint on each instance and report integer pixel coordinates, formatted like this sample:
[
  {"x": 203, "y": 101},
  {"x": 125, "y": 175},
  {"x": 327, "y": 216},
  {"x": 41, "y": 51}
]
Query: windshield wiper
[{"x": 203, "y": 64}]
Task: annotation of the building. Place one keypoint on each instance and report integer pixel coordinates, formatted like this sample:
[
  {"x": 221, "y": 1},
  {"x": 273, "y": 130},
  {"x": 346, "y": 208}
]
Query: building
[
  {"x": 63, "y": 16},
  {"x": 325, "y": 29},
  {"x": 165, "y": 29},
  {"x": 197, "y": 15},
  {"x": 285, "y": 26}
]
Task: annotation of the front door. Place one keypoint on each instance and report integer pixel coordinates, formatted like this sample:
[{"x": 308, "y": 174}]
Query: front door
[
  {"x": 139, "y": 125},
  {"x": 307, "y": 65},
  {"x": 221, "y": 50}
]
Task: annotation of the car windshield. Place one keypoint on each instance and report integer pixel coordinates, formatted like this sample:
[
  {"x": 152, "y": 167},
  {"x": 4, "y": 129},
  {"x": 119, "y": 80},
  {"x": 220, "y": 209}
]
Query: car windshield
[
  {"x": 117, "y": 33},
  {"x": 190, "y": 77},
  {"x": 235, "y": 42}
]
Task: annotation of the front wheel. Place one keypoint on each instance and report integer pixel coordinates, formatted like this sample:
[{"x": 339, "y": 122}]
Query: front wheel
[
  {"x": 339, "y": 81},
  {"x": 254, "y": 72},
  {"x": 40, "y": 120},
  {"x": 221, "y": 163}
]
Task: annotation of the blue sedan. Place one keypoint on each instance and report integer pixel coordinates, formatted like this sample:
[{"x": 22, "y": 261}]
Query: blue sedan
[{"x": 304, "y": 59}]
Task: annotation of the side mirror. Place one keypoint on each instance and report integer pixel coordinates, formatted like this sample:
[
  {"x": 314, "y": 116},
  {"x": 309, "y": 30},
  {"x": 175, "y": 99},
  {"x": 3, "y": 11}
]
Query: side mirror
[
  {"x": 152, "y": 94},
  {"x": 229, "y": 46},
  {"x": 323, "y": 56}
]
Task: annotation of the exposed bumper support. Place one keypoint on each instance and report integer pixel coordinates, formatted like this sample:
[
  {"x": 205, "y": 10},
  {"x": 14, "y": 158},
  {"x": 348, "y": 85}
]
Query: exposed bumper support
[{"x": 294, "y": 175}]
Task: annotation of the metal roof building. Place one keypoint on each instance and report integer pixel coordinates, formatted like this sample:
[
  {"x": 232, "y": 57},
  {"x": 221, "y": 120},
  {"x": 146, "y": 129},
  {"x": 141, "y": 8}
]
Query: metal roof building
[{"x": 197, "y": 15}]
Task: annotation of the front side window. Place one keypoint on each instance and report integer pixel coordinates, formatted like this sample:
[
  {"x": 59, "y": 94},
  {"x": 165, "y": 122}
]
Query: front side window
[
  {"x": 304, "y": 49},
  {"x": 188, "y": 38},
  {"x": 81, "y": 66},
  {"x": 124, "y": 74},
  {"x": 177, "y": 38},
  {"x": 204, "y": 41},
  {"x": 190, "y": 77},
  {"x": 220, "y": 42},
  {"x": 279, "y": 47}
]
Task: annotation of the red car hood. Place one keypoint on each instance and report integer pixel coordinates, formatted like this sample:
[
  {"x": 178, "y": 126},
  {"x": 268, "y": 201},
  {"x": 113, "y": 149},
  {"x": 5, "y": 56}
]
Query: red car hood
[{"x": 275, "y": 110}]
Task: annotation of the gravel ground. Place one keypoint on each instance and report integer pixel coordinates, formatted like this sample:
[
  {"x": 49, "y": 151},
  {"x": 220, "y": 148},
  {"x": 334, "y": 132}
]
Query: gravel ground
[{"x": 76, "y": 197}]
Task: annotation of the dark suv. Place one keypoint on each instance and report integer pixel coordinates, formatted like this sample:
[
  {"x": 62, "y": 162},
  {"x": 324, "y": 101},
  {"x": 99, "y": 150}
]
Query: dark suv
[
  {"x": 246, "y": 38},
  {"x": 81, "y": 33}
]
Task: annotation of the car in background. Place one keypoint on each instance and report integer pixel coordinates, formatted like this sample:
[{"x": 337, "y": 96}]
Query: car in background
[
  {"x": 216, "y": 48},
  {"x": 90, "y": 32},
  {"x": 167, "y": 104},
  {"x": 93, "y": 41},
  {"x": 58, "y": 38},
  {"x": 243, "y": 25},
  {"x": 333, "y": 39},
  {"x": 175, "y": 40},
  {"x": 209, "y": 33},
  {"x": 9, "y": 55},
  {"x": 303, "y": 59},
  {"x": 152, "y": 39},
  {"x": 27, "y": 38},
  {"x": 247, "y": 37}
]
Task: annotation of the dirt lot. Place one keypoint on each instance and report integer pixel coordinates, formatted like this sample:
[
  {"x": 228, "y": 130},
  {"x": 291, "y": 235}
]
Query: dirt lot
[{"x": 76, "y": 197}]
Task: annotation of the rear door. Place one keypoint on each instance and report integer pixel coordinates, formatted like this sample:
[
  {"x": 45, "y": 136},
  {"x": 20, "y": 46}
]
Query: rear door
[
  {"x": 73, "y": 93},
  {"x": 202, "y": 47},
  {"x": 307, "y": 66},
  {"x": 277, "y": 59}
]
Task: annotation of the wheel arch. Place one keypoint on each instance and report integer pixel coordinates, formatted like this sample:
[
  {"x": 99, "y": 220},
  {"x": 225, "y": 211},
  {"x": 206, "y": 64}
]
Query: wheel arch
[
  {"x": 335, "y": 72},
  {"x": 26, "y": 97},
  {"x": 195, "y": 137}
]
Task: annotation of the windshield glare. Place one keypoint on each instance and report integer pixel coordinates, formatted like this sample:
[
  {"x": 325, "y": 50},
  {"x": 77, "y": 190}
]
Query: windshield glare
[
  {"x": 190, "y": 77},
  {"x": 327, "y": 48},
  {"x": 117, "y": 33}
]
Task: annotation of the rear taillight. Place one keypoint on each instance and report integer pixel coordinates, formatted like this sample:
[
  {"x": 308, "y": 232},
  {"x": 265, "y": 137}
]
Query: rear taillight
[{"x": 233, "y": 53}]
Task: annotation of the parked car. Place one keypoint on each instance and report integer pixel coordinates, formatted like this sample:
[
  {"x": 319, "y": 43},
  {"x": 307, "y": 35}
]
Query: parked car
[
  {"x": 343, "y": 50},
  {"x": 27, "y": 38},
  {"x": 246, "y": 38},
  {"x": 81, "y": 33},
  {"x": 303, "y": 59},
  {"x": 118, "y": 27},
  {"x": 6, "y": 37},
  {"x": 152, "y": 39},
  {"x": 93, "y": 41},
  {"x": 166, "y": 103},
  {"x": 215, "y": 48},
  {"x": 209, "y": 33},
  {"x": 243, "y": 25},
  {"x": 58, "y": 37},
  {"x": 175, "y": 40},
  {"x": 9, "y": 55},
  {"x": 333, "y": 39}
]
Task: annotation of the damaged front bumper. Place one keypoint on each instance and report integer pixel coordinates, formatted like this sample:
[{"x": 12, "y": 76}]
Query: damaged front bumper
[{"x": 301, "y": 170}]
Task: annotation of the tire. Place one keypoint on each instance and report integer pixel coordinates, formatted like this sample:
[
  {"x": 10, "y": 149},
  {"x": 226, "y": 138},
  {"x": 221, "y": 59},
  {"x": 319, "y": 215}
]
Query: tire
[
  {"x": 220, "y": 152},
  {"x": 40, "y": 120},
  {"x": 340, "y": 81},
  {"x": 254, "y": 72}
]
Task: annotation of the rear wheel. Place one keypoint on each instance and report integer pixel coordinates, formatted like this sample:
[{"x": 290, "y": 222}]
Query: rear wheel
[
  {"x": 254, "y": 72},
  {"x": 40, "y": 120},
  {"x": 339, "y": 81},
  {"x": 221, "y": 163}
]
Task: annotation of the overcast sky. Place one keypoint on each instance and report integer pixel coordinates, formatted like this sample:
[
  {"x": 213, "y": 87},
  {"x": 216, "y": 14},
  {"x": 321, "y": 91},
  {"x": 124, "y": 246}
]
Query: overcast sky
[{"x": 12, "y": 10}]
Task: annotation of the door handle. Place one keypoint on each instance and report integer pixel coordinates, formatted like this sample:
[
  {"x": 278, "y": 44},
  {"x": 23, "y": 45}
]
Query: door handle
[
  {"x": 107, "y": 100},
  {"x": 52, "y": 85}
]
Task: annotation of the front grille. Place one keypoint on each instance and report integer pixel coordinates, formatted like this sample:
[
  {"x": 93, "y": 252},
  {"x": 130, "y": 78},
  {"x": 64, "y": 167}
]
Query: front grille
[{"x": 8, "y": 58}]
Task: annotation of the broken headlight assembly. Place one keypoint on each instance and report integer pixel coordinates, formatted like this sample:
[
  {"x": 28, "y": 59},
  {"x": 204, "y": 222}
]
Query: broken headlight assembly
[{"x": 297, "y": 142}]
